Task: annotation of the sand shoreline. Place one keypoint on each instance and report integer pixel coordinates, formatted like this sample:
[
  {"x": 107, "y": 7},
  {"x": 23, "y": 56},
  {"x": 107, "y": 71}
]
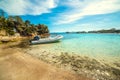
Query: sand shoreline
[
  {"x": 16, "y": 65},
  {"x": 85, "y": 66}
]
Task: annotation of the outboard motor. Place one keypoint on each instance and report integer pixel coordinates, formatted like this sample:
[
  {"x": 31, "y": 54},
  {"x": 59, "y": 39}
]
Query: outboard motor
[{"x": 36, "y": 38}]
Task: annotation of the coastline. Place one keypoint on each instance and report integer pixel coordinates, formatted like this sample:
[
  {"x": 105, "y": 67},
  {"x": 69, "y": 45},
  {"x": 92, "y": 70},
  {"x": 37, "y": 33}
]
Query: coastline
[
  {"x": 16, "y": 65},
  {"x": 83, "y": 65}
]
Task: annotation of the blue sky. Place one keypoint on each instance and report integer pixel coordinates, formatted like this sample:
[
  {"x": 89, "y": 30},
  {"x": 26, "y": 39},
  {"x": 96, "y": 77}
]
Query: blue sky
[{"x": 67, "y": 15}]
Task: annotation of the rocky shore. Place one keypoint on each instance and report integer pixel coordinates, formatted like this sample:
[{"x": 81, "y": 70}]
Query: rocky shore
[{"x": 85, "y": 66}]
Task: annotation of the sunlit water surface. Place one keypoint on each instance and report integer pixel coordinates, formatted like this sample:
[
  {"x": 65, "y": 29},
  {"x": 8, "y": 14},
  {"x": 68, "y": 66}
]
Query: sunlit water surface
[{"x": 99, "y": 46}]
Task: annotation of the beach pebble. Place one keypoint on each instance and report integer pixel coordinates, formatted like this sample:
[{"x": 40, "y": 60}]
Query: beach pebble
[
  {"x": 98, "y": 70},
  {"x": 107, "y": 73}
]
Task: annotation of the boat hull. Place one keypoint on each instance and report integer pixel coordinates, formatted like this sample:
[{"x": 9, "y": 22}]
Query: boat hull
[{"x": 47, "y": 40}]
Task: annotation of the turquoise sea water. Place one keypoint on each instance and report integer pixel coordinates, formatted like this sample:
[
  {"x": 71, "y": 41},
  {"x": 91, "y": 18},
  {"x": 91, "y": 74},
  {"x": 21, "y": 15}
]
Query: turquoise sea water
[{"x": 102, "y": 46}]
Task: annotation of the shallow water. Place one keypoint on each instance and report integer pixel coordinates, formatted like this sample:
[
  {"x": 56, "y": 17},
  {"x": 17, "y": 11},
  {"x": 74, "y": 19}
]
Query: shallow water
[{"x": 99, "y": 46}]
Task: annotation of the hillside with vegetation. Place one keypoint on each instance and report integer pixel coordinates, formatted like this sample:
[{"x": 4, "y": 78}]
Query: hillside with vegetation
[
  {"x": 14, "y": 24},
  {"x": 112, "y": 30}
]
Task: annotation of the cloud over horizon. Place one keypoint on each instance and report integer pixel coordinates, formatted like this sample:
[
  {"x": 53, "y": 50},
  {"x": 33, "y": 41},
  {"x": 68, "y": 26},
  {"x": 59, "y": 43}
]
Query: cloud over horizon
[{"x": 83, "y": 8}]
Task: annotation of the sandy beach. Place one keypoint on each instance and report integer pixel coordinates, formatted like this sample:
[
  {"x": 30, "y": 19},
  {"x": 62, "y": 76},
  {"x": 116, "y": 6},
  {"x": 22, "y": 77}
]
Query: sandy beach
[
  {"x": 16, "y": 65},
  {"x": 35, "y": 62}
]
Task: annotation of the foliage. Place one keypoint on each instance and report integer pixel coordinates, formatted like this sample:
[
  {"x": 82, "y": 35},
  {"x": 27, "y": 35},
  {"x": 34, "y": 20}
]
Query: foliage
[
  {"x": 15, "y": 24},
  {"x": 42, "y": 29}
]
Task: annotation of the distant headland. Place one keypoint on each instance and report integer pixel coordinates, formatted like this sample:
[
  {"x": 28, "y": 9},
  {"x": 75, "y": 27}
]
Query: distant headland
[{"x": 112, "y": 30}]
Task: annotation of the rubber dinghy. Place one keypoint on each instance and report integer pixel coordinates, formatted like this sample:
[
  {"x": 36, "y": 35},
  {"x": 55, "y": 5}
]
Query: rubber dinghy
[{"x": 47, "y": 40}]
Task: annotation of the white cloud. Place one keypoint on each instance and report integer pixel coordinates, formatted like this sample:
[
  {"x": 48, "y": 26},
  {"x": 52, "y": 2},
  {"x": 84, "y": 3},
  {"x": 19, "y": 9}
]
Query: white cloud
[
  {"x": 102, "y": 7},
  {"x": 83, "y": 8},
  {"x": 30, "y": 7}
]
